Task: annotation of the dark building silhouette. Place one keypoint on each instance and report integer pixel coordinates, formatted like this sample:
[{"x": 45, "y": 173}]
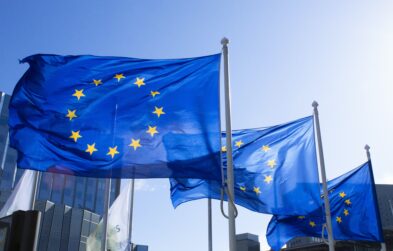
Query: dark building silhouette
[{"x": 247, "y": 242}]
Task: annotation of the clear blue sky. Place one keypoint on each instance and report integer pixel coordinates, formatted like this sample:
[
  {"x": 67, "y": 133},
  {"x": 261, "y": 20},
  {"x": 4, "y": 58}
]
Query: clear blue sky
[{"x": 283, "y": 55}]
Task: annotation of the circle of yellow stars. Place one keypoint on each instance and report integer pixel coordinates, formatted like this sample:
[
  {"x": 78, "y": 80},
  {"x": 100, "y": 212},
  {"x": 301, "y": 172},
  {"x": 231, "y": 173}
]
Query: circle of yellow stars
[{"x": 113, "y": 150}]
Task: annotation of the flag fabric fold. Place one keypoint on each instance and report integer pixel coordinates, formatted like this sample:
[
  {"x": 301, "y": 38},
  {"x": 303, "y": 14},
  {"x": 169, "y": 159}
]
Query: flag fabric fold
[
  {"x": 114, "y": 117},
  {"x": 354, "y": 213},
  {"x": 275, "y": 171},
  {"x": 21, "y": 197}
]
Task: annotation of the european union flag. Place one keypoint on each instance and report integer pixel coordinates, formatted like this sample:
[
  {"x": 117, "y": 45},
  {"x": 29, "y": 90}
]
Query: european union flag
[
  {"x": 354, "y": 213},
  {"x": 118, "y": 117},
  {"x": 275, "y": 171}
]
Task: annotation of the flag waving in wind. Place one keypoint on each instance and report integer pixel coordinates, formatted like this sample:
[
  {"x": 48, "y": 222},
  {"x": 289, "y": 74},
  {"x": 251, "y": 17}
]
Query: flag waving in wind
[
  {"x": 118, "y": 117},
  {"x": 275, "y": 171},
  {"x": 353, "y": 207}
]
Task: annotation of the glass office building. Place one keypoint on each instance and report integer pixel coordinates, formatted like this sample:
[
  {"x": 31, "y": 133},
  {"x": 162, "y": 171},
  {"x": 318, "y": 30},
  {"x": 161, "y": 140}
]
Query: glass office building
[
  {"x": 77, "y": 192},
  {"x": 73, "y": 191},
  {"x": 8, "y": 172}
]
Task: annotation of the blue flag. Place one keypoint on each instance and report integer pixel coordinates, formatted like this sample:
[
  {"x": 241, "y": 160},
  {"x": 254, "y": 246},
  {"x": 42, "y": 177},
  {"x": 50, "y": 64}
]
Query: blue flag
[
  {"x": 275, "y": 171},
  {"x": 118, "y": 117},
  {"x": 354, "y": 211}
]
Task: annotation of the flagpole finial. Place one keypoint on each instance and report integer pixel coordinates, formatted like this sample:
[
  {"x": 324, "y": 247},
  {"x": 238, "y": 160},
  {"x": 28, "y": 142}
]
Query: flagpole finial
[
  {"x": 224, "y": 41},
  {"x": 367, "y": 148},
  {"x": 315, "y": 105}
]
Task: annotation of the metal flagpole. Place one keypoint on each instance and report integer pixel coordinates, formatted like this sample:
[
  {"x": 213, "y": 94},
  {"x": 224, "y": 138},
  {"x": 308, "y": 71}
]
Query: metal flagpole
[
  {"x": 131, "y": 213},
  {"x": 367, "y": 148},
  {"x": 35, "y": 189},
  {"x": 230, "y": 178},
  {"x": 324, "y": 183},
  {"x": 105, "y": 217},
  {"x": 209, "y": 226}
]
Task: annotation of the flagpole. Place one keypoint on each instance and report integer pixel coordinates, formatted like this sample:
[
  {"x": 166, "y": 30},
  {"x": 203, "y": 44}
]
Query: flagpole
[
  {"x": 209, "y": 226},
  {"x": 105, "y": 217},
  {"x": 367, "y": 148},
  {"x": 35, "y": 189},
  {"x": 324, "y": 183},
  {"x": 228, "y": 127},
  {"x": 131, "y": 213}
]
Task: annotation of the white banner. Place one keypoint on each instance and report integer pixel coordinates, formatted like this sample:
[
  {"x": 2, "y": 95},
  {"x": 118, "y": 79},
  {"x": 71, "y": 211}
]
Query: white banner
[
  {"x": 22, "y": 195},
  {"x": 118, "y": 223}
]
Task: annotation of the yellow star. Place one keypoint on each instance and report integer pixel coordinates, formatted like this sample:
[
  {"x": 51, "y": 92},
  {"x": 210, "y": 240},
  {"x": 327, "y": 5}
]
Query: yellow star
[
  {"x": 139, "y": 82},
  {"x": 265, "y": 148},
  {"x": 158, "y": 111},
  {"x": 346, "y": 212},
  {"x": 91, "y": 148},
  {"x": 268, "y": 179},
  {"x": 312, "y": 224},
  {"x": 348, "y": 202},
  {"x": 301, "y": 217},
  {"x": 154, "y": 93},
  {"x": 239, "y": 143},
  {"x": 342, "y": 195},
  {"x": 257, "y": 190},
  {"x": 78, "y": 94},
  {"x": 152, "y": 130},
  {"x": 119, "y": 77},
  {"x": 71, "y": 114},
  {"x": 242, "y": 188},
  {"x": 75, "y": 135},
  {"x": 112, "y": 151},
  {"x": 272, "y": 163},
  {"x": 223, "y": 149},
  {"x": 97, "y": 82},
  {"x": 338, "y": 219},
  {"x": 135, "y": 143}
]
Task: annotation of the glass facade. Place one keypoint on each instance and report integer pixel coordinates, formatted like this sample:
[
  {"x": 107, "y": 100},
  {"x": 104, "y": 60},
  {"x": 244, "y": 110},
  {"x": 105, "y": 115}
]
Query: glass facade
[
  {"x": 77, "y": 192},
  {"x": 9, "y": 174},
  {"x": 74, "y": 191},
  {"x": 64, "y": 228}
]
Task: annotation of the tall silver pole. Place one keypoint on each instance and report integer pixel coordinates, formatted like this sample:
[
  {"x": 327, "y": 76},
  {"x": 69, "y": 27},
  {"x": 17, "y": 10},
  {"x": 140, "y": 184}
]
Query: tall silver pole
[
  {"x": 209, "y": 224},
  {"x": 14, "y": 177},
  {"x": 105, "y": 217},
  {"x": 324, "y": 183},
  {"x": 131, "y": 213},
  {"x": 367, "y": 148},
  {"x": 230, "y": 178},
  {"x": 35, "y": 189}
]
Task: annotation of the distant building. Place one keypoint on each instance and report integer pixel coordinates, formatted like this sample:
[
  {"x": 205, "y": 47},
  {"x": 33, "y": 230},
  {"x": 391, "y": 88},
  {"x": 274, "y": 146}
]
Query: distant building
[
  {"x": 385, "y": 203},
  {"x": 8, "y": 172},
  {"x": 64, "y": 228},
  {"x": 140, "y": 248},
  {"x": 247, "y": 242}
]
